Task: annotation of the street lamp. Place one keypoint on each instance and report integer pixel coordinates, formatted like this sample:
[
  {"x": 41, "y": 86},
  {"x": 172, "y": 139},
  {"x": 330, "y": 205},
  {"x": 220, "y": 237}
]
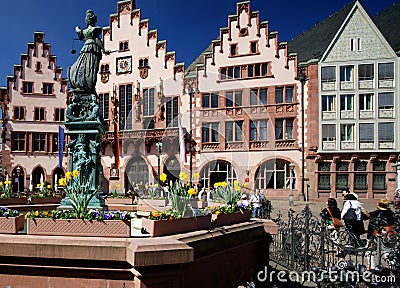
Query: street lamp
[
  {"x": 291, "y": 197},
  {"x": 159, "y": 149},
  {"x": 18, "y": 170},
  {"x": 303, "y": 78}
]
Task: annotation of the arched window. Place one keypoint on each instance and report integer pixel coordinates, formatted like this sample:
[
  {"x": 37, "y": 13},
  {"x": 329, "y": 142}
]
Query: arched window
[
  {"x": 136, "y": 172},
  {"x": 57, "y": 175},
  {"x": 274, "y": 174},
  {"x": 216, "y": 171},
  {"x": 37, "y": 177}
]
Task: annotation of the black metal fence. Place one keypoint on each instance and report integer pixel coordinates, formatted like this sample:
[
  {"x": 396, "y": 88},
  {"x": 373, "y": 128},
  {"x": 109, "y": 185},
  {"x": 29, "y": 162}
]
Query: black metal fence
[{"x": 304, "y": 242}]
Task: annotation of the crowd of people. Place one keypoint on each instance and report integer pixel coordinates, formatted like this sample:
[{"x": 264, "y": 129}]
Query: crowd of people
[{"x": 352, "y": 218}]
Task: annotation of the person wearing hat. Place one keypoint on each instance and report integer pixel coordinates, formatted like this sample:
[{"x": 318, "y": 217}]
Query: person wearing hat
[{"x": 381, "y": 220}]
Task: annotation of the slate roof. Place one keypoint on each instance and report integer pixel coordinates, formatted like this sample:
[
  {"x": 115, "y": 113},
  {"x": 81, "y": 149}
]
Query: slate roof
[
  {"x": 313, "y": 43},
  {"x": 388, "y": 23}
]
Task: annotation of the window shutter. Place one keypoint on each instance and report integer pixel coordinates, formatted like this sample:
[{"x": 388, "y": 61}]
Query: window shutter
[
  {"x": 386, "y": 132},
  {"x": 366, "y": 132}
]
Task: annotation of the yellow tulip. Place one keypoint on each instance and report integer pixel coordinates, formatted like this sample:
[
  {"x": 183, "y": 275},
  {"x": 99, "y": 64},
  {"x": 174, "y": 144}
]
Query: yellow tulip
[
  {"x": 191, "y": 191},
  {"x": 7, "y": 182},
  {"x": 224, "y": 184},
  {"x": 48, "y": 186},
  {"x": 183, "y": 176},
  {"x": 118, "y": 186},
  {"x": 68, "y": 175},
  {"x": 1, "y": 184}
]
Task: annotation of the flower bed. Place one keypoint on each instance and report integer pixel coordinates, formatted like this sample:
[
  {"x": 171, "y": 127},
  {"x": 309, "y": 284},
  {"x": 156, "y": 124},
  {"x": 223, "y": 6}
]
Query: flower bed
[
  {"x": 158, "y": 228},
  {"x": 224, "y": 219},
  {"x": 10, "y": 221}
]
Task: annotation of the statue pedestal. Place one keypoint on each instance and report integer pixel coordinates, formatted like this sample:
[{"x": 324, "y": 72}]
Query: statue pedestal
[{"x": 84, "y": 150}]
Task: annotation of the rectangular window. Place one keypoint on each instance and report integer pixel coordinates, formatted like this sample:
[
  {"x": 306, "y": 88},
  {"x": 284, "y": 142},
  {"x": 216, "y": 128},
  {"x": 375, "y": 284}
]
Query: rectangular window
[
  {"x": 328, "y": 74},
  {"x": 19, "y": 113},
  {"x": 386, "y": 132},
  {"x": 148, "y": 102},
  {"x": 279, "y": 95},
  {"x": 386, "y": 71},
  {"x": 233, "y": 131},
  {"x": 258, "y": 96},
  {"x": 347, "y": 73},
  {"x": 104, "y": 105},
  {"x": 324, "y": 182},
  {"x": 123, "y": 46},
  {"x": 27, "y": 87},
  {"x": 342, "y": 180},
  {"x": 39, "y": 141},
  {"x": 366, "y": 102},
  {"x": 258, "y": 130},
  {"x": 360, "y": 179},
  {"x": 386, "y": 100},
  {"x": 18, "y": 141},
  {"x": 223, "y": 73},
  {"x": 289, "y": 94},
  {"x": 346, "y": 102},
  {"x": 366, "y": 132},
  {"x": 379, "y": 179},
  {"x": 233, "y": 99},
  {"x": 233, "y": 49},
  {"x": 210, "y": 100},
  {"x": 365, "y": 72},
  {"x": 48, "y": 89},
  {"x": 125, "y": 107},
  {"x": 59, "y": 115},
  {"x": 283, "y": 129},
  {"x": 172, "y": 112},
  {"x": 328, "y": 132},
  {"x": 289, "y": 128},
  {"x": 144, "y": 62},
  {"x": 346, "y": 132},
  {"x": 210, "y": 132},
  {"x": 39, "y": 114},
  {"x": 329, "y": 103},
  {"x": 253, "y": 47}
]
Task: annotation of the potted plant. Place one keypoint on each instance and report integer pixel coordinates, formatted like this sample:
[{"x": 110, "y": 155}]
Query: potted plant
[
  {"x": 115, "y": 198},
  {"x": 10, "y": 221},
  {"x": 6, "y": 197},
  {"x": 181, "y": 217},
  {"x": 78, "y": 221},
  {"x": 153, "y": 195},
  {"x": 232, "y": 210}
]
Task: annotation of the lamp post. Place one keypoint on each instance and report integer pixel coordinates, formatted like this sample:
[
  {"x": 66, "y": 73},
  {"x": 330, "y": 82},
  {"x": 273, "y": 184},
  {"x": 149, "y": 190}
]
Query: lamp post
[
  {"x": 303, "y": 79},
  {"x": 159, "y": 149},
  {"x": 18, "y": 170},
  {"x": 291, "y": 197}
]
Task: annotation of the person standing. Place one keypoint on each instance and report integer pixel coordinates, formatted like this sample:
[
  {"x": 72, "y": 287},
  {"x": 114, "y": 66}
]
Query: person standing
[
  {"x": 255, "y": 200},
  {"x": 381, "y": 220},
  {"x": 351, "y": 215}
]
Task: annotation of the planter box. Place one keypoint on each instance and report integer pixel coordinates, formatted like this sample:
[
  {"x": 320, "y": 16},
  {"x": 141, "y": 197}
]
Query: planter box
[
  {"x": 125, "y": 201},
  {"x": 13, "y": 201},
  {"x": 153, "y": 202},
  {"x": 11, "y": 225},
  {"x": 215, "y": 204},
  {"x": 166, "y": 227},
  {"x": 79, "y": 227},
  {"x": 46, "y": 200},
  {"x": 230, "y": 218},
  {"x": 198, "y": 204}
]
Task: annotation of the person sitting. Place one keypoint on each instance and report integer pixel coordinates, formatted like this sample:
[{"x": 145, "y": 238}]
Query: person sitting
[{"x": 381, "y": 221}]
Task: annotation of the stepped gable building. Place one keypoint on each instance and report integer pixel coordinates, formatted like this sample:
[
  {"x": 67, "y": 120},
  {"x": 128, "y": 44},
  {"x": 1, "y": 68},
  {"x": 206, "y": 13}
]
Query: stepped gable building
[
  {"x": 33, "y": 105},
  {"x": 246, "y": 107},
  {"x": 351, "y": 63},
  {"x": 140, "y": 89}
]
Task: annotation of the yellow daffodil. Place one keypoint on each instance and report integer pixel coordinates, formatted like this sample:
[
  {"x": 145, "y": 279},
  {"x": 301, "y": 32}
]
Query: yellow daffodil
[
  {"x": 163, "y": 177},
  {"x": 183, "y": 176},
  {"x": 62, "y": 182},
  {"x": 236, "y": 182},
  {"x": 68, "y": 175},
  {"x": 36, "y": 213},
  {"x": 7, "y": 182},
  {"x": 118, "y": 186},
  {"x": 1, "y": 184},
  {"x": 37, "y": 185},
  {"x": 196, "y": 176},
  {"x": 224, "y": 184},
  {"x": 244, "y": 185},
  {"x": 48, "y": 186},
  {"x": 191, "y": 191},
  {"x": 75, "y": 173}
]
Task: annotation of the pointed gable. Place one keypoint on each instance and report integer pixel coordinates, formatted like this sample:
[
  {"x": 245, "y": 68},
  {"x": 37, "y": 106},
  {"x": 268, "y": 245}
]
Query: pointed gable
[{"x": 357, "y": 39}]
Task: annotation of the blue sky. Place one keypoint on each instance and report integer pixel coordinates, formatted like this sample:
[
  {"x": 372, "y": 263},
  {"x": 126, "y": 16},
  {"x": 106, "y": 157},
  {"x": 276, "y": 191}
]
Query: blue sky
[{"x": 188, "y": 26}]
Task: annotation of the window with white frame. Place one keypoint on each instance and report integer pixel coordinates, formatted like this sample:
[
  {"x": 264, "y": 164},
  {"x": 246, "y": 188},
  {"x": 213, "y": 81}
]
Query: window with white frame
[
  {"x": 347, "y": 73},
  {"x": 209, "y": 132},
  {"x": 386, "y": 100},
  {"x": 386, "y": 132},
  {"x": 386, "y": 71},
  {"x": 328, "y": 74},
  {"x": 355, "y": 44},
  {"x": 233, "y": 131},
  {"x": 283, "y": 129},
  {"x": 125, "y": 107},
  {"x": 346, "y": 132},
  {"x": 346, "y": 102},
  {"x": 172, "y": 111},
  {"x": 148, "y": 102},
  {"x": 328, "y": 103},
  {"x": 275, "y": 174},
  {"x": 328, "y": 132},
  {"x": 233, "y": 98},
  {"x": 366, "y": 102},
  {"x": 365, "y": 72},
  {"x": 258, "y": 130},
  {"x": 366, "y": 132}
]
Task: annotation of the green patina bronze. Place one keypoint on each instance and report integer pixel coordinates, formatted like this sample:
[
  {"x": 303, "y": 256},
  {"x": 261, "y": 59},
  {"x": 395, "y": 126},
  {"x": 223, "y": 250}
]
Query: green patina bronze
[{"x": 83, "y": 119}]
